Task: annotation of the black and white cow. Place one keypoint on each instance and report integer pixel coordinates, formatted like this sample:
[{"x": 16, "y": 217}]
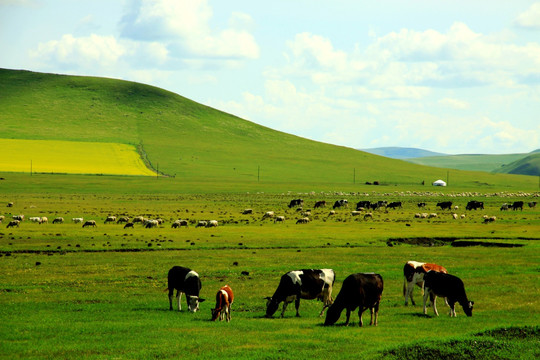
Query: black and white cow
[
  {"x": 302, "y": 284},
  {"x": 340, "y": 203},
  {"x": 295, "y": 202},
  {"x": 185, "y": 281},
  {"x": 449, "y": 286},
  {"x": 413, "y": 273},
  {"x": 362, "y": 291}
]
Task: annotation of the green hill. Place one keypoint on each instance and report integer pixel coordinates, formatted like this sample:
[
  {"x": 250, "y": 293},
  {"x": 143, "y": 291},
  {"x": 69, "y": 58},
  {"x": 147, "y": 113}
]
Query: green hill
[
  {"x": 529, "y": 165},
  {"x": 199, "y": 145},
  {"x": 402, "y": 152},
  {"x": 471, "y": 162}
]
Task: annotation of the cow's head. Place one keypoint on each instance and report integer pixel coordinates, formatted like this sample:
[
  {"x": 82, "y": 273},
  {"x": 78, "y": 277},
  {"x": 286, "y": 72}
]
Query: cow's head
[
  {"x": 193, "y": 303},
  {"x": 467, "y": 308},
  {"x": 271, "y": 306},
  {"x": 215, "y": 314}
]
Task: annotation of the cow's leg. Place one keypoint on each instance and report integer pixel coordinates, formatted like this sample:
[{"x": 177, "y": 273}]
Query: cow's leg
[
  {"x": 297, "y": 305},
  {"x": 178, "y": 299},
  {"x": 360, "y": 312},
  {"x": 228, "y": 312},
  {"x": 285, "y": 303},
  {"x": 171, "y": 294},
  {"x": 426, "y": 295},
  {"x": 375, "y": 310},
  {"x": 434, "y": 303},
  {"x": 348, "y": 317},
  {"x": 452, "y": 306}
]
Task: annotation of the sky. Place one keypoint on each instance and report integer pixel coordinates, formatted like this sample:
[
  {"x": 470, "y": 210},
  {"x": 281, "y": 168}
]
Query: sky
[{"x": 457, "y": 77}]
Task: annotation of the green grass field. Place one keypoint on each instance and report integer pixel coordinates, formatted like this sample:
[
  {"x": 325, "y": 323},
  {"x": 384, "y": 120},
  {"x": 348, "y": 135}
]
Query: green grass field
[{"x": 97, "y": 293}]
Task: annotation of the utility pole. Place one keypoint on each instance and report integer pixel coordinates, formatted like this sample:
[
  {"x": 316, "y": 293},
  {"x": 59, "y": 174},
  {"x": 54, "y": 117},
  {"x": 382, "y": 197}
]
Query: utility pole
[
  {"x": 354, "y": 176},
  {"x": 258, "y": 173}
]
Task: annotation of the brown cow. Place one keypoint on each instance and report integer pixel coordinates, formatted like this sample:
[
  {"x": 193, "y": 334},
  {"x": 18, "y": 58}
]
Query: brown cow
[{"x": 224, "y": 300}]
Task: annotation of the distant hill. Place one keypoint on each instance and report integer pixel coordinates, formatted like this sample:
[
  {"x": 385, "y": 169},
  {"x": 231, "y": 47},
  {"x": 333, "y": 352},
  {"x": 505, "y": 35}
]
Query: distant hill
[
  {"x": 478, "y": 162},
  {"x": 402, "y": 152},
  {"x": 203, "y": 149},
  {"x": 529, "y": 165}
]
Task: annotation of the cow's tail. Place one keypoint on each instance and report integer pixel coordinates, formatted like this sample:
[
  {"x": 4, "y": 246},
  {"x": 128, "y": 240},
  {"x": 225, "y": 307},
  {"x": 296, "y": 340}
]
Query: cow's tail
[{"x": 404, "y": 285}]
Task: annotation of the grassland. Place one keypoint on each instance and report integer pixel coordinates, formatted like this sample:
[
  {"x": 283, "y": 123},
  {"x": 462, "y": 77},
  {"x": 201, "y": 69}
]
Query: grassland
[
  {"x": 68, "y": 292},
  {"x": 97, "y": 293},
  {"x": 71, "y": 157}
]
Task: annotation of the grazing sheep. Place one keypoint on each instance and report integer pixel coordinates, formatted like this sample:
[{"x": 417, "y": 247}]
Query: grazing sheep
[
  {"x": 302, "y": 221},
  {"x": 279, "y": 219},
  {"x": 128, "y": 225},
  {"x": 89, "y": 223},
  {"x": 202, "y": 223},
  {"x": 268, "y": 215},
  {"x": 368, "y": 216},
  {"x": 77, "y": 220},
  {"x": 455, "y": 216},
  {"x": 212, "y": 223},
  {"x": 110, "y": 219},
  {"x": 490, "y": 219},
  {"x": 58, "y": 220},
  {"x": 13, "y": 223},
  {"x": 247, "y": 212}
]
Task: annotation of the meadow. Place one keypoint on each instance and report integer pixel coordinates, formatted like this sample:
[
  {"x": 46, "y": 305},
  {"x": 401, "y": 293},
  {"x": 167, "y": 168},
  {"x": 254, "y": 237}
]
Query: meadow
[{"x": 68, "y": 292}]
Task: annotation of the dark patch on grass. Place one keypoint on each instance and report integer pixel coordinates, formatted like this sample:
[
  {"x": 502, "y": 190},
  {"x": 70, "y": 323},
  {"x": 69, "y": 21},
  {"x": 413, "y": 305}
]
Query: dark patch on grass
[{"x": 465, "y": 243}]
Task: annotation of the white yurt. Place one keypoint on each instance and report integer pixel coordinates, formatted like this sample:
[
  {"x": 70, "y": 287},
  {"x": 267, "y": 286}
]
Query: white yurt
[{"x": 439, "y": 183}]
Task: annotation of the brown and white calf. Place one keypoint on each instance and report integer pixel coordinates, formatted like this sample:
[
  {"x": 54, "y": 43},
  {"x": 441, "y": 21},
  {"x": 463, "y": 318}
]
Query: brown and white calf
[
  {"x": 224, "y": 300},
  {"x": 413, "y": 273},
  {"x": 448, "y": 286}
]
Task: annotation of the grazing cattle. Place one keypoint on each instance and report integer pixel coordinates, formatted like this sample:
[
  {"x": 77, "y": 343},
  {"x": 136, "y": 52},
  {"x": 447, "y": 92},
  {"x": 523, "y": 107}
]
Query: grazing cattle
[
  {"x": 138, "y": 219},
  {"x": 341, "y": 203},
  {"x": 224, "y": 300},
  {"x": 13, "y": 223},
  {"x": 179, "y": 223},
  {"x": 201, "y": 223},
  {"x": 128, "y": 225},
  {"x": 247, "y": 211},
  {"x": 296, "y": 202},
  {"x": 504, "y": 207},
  {"x": 122, "y": 219},
  {"x": 489, "y": 219},
  {"x": 212, "y": 223},
  {"x": 18, "y": 217},
  {"x": 319, "y": 204},
  {"x": 302, "y": 284},
  {"x": 110, "y": 219},
  {"x": 474, "y": 205},
  {"x": 394, "y": 204},
  {"x": 58, "y": 220},
  {"x": 361, "y": 291},
  {"x": 413, "y": 273},
  {"x": 421, "y": 205},
  {"x": 363, "y": 204},
  {"x": 77, "y": 220},
  {"x": 89, "y": 223},
  {"x": 151, "y": 223},
  {"x": 517, "y": 205},
  {"x": 279, "y": 219},
  {"x": 185, "y": 281},
  {"x": 532, "y": 204},
  {"x": 445, "y": 205},
  {"x": 448, "y": 286},
  {"x": 303, "y": 221},
  {"x": 268, "y": 215}
]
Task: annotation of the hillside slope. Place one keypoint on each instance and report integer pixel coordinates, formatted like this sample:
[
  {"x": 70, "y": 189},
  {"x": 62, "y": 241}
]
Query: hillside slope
[
  {"x": 529, "y": 165},
  {"x": 192, "y": 142},
  {"x": 471, "y": 162}
]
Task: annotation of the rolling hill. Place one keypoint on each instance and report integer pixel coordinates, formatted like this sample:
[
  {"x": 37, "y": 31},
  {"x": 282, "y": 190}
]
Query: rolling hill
[
  {"x": 199, "y": 146},
  {"x": 529, "y": 165}
]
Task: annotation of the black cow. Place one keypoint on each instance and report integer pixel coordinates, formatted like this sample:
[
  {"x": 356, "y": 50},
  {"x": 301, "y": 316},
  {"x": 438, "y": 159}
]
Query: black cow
[
  {"x": 296, "y": 202},
  {"x": 449, "y": 286},
  {"x": 445, "y": 205},
  {"x": 361, "y": 291},
  {"x": 319, "y": 204},
  {"x": 474, "y": 205},
  {"x": 185, "y": 281},
  {"x": 532, "y": 204},
  {"x": 517, "y": 205},
  {"x": 363, "y": 204},
  {"x": 302, "y": 284},
  {"x": 340, "y": 203},
  {"x": 394, "y": 204}
]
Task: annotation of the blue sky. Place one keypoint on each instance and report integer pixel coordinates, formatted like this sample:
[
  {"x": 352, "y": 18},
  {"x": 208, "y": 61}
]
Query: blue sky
[{"x": 448, "y": 76}]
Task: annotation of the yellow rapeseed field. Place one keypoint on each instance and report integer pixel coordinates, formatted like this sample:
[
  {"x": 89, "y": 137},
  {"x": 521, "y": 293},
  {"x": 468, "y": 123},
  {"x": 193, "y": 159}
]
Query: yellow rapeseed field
[{"x": 72, "y": 157}]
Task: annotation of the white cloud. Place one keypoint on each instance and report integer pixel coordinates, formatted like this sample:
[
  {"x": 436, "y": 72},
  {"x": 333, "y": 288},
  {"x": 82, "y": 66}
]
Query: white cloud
[
  {"x": 89, "y": 52},
  {"x": 187, "y": 23},
  {"x": 454, "y": 103},
  {"x": 530, "y": 18}
]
